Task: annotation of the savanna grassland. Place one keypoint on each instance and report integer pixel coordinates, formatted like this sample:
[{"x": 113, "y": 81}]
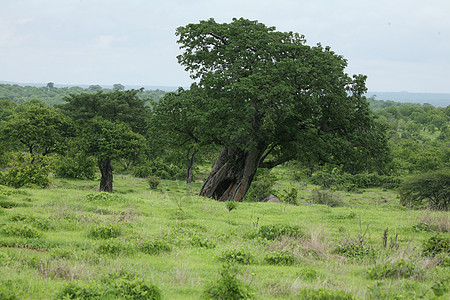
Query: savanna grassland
[{"x": 69, "y": 241}]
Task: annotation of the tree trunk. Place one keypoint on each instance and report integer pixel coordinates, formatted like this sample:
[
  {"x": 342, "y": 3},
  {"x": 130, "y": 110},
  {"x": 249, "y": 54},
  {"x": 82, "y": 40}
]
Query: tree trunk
[
  {"x": 190, "y": 165},
  {"x": 106, "y": 168},
  {"x": 232, "y": 174}
]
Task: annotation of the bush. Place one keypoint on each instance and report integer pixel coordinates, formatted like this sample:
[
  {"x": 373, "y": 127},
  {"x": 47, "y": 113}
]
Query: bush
[
  {"x": 154, "y": 247},
  {"x": 76, "y": 165},
  {"x": 228, "y": 285},
  {"x": 326, "y": 197},
  {"x": 280, "y": 257},
  {"x": 20, "y": 230},
  {"x": 102, "y": 197},
  {"x": 349, "y": 182},
  {"x": 27, "y": 170},
  {"x": 435, "y": 245},
  {"x": 354, "y": 251},
  {"x": 122, "y": 286},
  {"x": 289, "y": 196},
  {"x": 105, "y": 231},
  {"x": 159, "y": 168},
  {"x": 115, "y": 247},
  {"x": 40, "y": 223},
  {"x": 237, "y": 256},
  {"x": 231, "y": 205},
  {"x": 153, "y": 182},
  {"x": 273, "y": 232},
  {"x": 399, "y": 269},
  {"x": 324, "y": 294},
  {"x": 262, "y": 186},
  {"x": 433, "y": 188}
]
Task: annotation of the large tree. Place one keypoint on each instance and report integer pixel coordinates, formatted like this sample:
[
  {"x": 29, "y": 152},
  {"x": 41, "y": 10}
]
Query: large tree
[
  {"x": 111, "y": 126},
  {"x": 269, "y": 98},
  {"x": 39, "y": 128}
]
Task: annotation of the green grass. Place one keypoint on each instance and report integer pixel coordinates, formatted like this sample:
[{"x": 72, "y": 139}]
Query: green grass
[{"x": 175, "y": 240}]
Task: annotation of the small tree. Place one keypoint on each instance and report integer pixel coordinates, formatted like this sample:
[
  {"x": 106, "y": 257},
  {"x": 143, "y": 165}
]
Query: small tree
[{"x": 433, "y": 188}]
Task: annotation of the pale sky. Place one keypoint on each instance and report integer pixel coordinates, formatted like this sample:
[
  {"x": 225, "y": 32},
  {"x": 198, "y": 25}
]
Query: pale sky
[{"x": 401, "y": 45}]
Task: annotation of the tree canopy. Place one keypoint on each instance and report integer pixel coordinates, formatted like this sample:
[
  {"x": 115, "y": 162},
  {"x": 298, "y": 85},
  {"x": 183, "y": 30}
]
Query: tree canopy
[{"x": 269, "y": 98}]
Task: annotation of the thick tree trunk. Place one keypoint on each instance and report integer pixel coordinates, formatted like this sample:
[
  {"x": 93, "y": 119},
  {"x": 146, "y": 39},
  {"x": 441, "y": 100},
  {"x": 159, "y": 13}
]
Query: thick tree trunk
[
  {"x": 190, "y": 165},
  {"x": 232, "y": 174},
  {"x": 106, "y": 168}
]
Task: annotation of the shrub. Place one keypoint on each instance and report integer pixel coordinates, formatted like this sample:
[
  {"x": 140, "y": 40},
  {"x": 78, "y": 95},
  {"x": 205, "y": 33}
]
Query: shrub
[
  {"x": 202, "y": 242},
  {"x": 27, "y": 170},
  {"x": 105, "y": 231},
  {"x": 354, "y": 251},
  {"x": 349, "y": 182},
  {"x": 399, "y": 269},
  {"x": 435, "y": 245},
  {"x": 289, "y": 196},
  {"x": 237, "y": 256},
  {"x": 280, "y": 257},
  {"x": 262, "y": 186},
  {"x": 231, "y": 205},
  {"x": 123, "y": 286},
  {"x": 155, "y": 246},
  {"x": 76, "y": 165},
  {"x": 159, "y": 168},
  {"x": 273, "y": 232},
  {"x": 433, "y": 188},
  {"x": 324, "y": 294},
  {"x": 20, "y": 230},
  {"x": 228, "y": 285},
  {"x": 40, "y": 223},
  {"x": 114, "y": 247},
  {"x": 326, "y": 197},
  {"x": 153, "y": 182}
]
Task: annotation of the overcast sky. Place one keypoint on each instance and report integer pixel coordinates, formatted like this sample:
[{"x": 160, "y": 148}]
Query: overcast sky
[{"x": 400, "y": 45}]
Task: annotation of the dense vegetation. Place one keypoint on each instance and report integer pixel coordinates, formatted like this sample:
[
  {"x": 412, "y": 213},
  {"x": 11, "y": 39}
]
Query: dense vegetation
[{"x": 361, "y": 187}]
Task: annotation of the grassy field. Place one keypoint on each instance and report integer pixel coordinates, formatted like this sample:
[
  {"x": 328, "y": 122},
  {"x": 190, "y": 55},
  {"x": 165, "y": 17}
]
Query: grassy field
[{"x": 69, "y": 240}]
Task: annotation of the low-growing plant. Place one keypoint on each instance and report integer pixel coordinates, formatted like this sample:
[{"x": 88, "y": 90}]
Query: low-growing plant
[
  {"x": 154, "y": 246},
  {"x": 115, "y": 247},
  {"x": 20, "y": 230},
  {"x": 27, "y": 170},
  {"x": 273, "y": 232},
  {"x": 280, "y": 257},
  {"x": 435, "y": 245},
  {"x": 231, "y": 205},
  {"x": 40, "y": 223},
  {"x": 399, "y": 269},
  {"x": 308, "y": 274},
  {"x": 324, "y": 294},
  {"x": 103, "y": 197},
  {"x": 355, "y": 251},
  {"x": 289, "y": 196},
  {"x": 240, "y": 256},
  {"x": 326, "y": 197},
  {"x": 76, "y": 165},
  {"x": 228, "y": 285},
  {"x": 105, "y": 231},
  {"x": 123, "y": 286},
  {"x": 153, "y": 182},
  {"x": 262, "y": 186},
  {"x": 202, "y": 242}
]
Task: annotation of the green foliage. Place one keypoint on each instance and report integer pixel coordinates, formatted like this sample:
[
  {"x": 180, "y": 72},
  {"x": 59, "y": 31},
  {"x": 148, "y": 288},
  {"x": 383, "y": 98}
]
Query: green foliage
[
  {"x": 432, "y": 188},
  {"x": 76, "y": 165},
  {"x": 153, "y": 182},
  {"x": 115, "y": 247},
  {"x": 27, "y": 171},
  {"x": 262, "y": 186},
  {"x": 240, "y": 256},
  {"x": 105, "y": 231},
  {"x": 230, "y": 205},
  {"x": 324, "y": 294},
  {"x": 154, "y": 246},
  {"x": 6, "y": 293},
  {"x": 354, "y": 251},
  {"x": 280, "y": 257},
  {"x": 399, "y": 269},
  {"x": 20, "y": 230},
  {"x": 40, "y": 223},
  {"x": 326, "y": 197},
  {"x": 274, "y": 232},
  {"x": 349, "y": 182},
  {"x": 435, "y": 245},
  {"x": 289, "y": 196},
  {"x": 228, "y": 285},
  {"x": 103, "y": 197},
  {"x": 114, "y": 286},
  {"x": 202, "y": 242},
  {"x": 159, "y": 167}
]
